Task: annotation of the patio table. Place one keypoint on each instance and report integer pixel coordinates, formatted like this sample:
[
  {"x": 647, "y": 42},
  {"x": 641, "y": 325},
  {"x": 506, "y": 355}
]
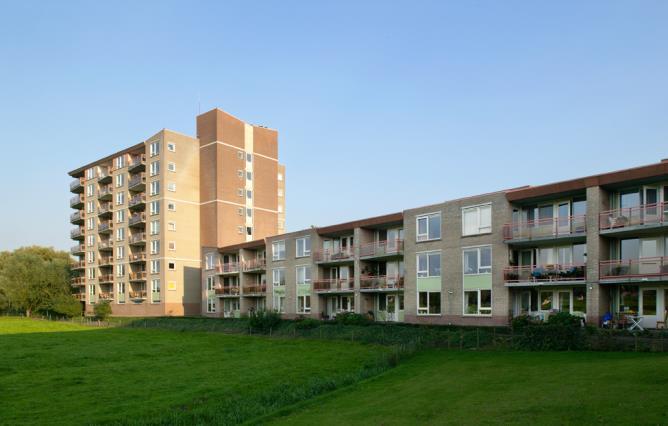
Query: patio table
[{"x": 636, "y": 322}]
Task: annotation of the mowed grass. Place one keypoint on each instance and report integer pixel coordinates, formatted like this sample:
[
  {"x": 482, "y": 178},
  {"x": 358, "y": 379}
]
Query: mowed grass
[
  {"x": 440, "y": 387},
  {"x": 59, "y": 373}
]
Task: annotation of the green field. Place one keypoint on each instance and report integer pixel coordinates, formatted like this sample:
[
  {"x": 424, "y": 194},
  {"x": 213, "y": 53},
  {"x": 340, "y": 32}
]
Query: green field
[
  {"x": 440, "y": 387},
  {"x": 60, "y": 373}
]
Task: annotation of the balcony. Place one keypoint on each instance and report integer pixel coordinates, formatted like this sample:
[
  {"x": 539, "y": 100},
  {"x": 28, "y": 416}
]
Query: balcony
[
  {"x": 77, "y": 202},
  {"x": 77, "y": 233},
  {"x": 228, "y": 268},
  {"x": 105, "y": 210},
  {"x": 77, "y": 218},
  {"x": 138, "y": 258},
  {"x": 634, "y": 270},
  {"x": 78, "y": 265},
  {"x": 78, "y": 249},
  {"x": 230, "y": 290},
  {"x": 517, "y": 276},
  {"x": 254, "y": 265},
  {"x": 106, "y": 296},
  {"x": 341, "y": 285},
  {"x": 105, "y": 193},
  {"x": 79, "y": 296},
  {"x": 381, "y": 283},
  {"x": 137, "y": 202},
  {"x": 106, "y": 279},
  {"x": 105, "y": 175},
  {"x": 334, "y": 256},
  {"x": 569, "y": 227},
  {"x": 138, "y": 239},
  {"x": 137, "y": 295},
  {"x": 106, "y": 245},
  {"x": 106, "y": 261},
  {"x": 138, "y": 276},
  {"x": 137, "y": 219},
  {"x": 137, "y": 164},
  {"x": 78, "y": 281},
  {"x": 633, "y": 219},
  {"x": 137, "y": 183},
  {"x": 105, "y": 227},
  {"x": 77, "y": 186},
  {"x": 379, "y": 249},
  {"x": 255, "y": 290}
]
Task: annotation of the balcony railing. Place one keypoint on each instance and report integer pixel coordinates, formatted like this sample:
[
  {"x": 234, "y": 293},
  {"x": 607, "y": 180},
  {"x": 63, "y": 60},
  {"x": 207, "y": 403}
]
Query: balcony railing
[
  {"x": 79, "y": 248},
  {"x": 635, "y": 268},
  {"x": 105, "y": 192},
  {"x": 228, "y": 268},
  {"x": 106, "y": 261},
  {"x": 76, "y": 201},
  {"x": 105, "y": 227},
  {"x": 381, "y": 282},
  {"x": 78, "y": 265},
  {"x": 106, "y": 245},
  {"x": 138, "y": 257},
  {"x": 545, "y": 273},
  {"x": 334, "y": 255},
  {"x": 106, "y": 296},
  {"x": 553, "y": 227},
  {"x": 107, "y": 278},
  {"x": 77, "y": 217},
  {"x": 77, "y": 185},
  {"x": 254, "y": 265},
  {"x": 136, "y": 219},
  {"x": 77, "y": 233},
  {"x": 255, "y": 289},
  {"x": 382, "y": 248},
  {"x": 229, "y": 290},
  {"x": 105, "y": 175},
  {"x": 138, "y": 238},
  {"x": 137, "y": 295},
  {"x": 137, "y": 201},
  {"x": 137, "y": 161},
  {"x": 138, "y": 181},
  {"x": 79, "y": 296},
  {"x": 76, "y": 281},
  {"x": 646, "y": 214},
  {"x": 334, "y": 285},
  {"x": 138, "y": 276},
  {"x": 105, "y": 208}
]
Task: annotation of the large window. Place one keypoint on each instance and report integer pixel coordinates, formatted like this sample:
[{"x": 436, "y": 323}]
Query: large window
[
  {"x": 154, "y": 149},
  {"x": 209, "y": 261},
  {"x": 278, "y": 277},
  {"x": 428, "y": 227},
  {"x": 278, "y": 250},
  {"x": 303, "y": 246},
  {"x": 477, "y": 220},
  {"x": 429, "y": 264},
  {"x": 154, "y": 188},
  {"x": 478, "y": 260},
  {"x": 429, "y": 303},
  {"x": 303, "y": 275},
  {"x": 279, "y": 303},
  {"x": 211, "y": 305},
  {"x": 478, "y": 302},
  {"x": 304, "y": 304}
]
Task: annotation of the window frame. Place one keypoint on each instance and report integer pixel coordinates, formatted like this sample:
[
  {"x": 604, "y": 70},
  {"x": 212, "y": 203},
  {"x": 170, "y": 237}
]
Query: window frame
[
  {"x": 421, "y": 309},
  {"x": 418, "y": 271},
  {"x": 478, "y": 209},
  {"x": 306, "y": 253},
  {"x": 275, "y": 255},
  {"x": 478, "y": 250},
  {"x": 479, "y": 302},
  {"x": 426, "y": 237}
]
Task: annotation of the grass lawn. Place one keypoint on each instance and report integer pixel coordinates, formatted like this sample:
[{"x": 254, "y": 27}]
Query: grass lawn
[
  {"x": 59, "y": 373},
  {"x": 440, "y": 387}
]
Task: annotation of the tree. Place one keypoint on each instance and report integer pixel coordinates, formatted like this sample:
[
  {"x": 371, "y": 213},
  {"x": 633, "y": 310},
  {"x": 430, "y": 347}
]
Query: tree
[
  {"x": 102, "y": 310},
  {"x": 34, "y": 278}
]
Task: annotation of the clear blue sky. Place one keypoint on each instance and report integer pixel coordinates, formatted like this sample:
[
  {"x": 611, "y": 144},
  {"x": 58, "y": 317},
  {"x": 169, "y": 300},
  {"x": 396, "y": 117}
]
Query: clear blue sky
[{"x": 380, "y": 106}]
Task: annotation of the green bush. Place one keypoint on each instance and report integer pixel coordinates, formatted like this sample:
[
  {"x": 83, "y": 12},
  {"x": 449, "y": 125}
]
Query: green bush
[
  {"x": 67, "y": 306},
  {"x": 102, "y": 310},
  {"x": 565, "y": 319},
  {"x": 263, "y": 321},
  {"x": 307, "y": 323},
  {"x": 351, "y": 318},
  {"x": 520, "y": 322}
]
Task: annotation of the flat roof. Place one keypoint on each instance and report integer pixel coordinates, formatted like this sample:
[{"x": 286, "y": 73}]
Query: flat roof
[
  {"x": 362, "y": 223},
  {"x": 110, "y": 157}
]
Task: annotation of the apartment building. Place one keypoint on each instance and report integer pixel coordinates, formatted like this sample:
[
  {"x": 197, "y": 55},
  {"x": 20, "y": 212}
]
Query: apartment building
[
  {"x": 143, "y": 214},
  {"x": 586, "y": 246}
]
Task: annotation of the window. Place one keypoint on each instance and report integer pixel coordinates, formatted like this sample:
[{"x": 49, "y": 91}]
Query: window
[
  {"x": 90, "y": 223},
  {"x": 171, "y": 266},
  {"x": 90, "y": 190},
  {"x": 91, "y": 289},
  {"x": 155, "y": 246},
  {"x": 240, "y": 155},
  {"x": 478, "y": 260},
  {"x": 155, "y": 227},
  {"x": 121, "y": 292},
  {"x": 120, "y": 198},
  {"x": 249, "y": 194},
  {"x": 171, "y": 206},
  {"x": 429, "y": 227},
  {"x": 240, "y": 192},
  {"x": 240, "y": 211},
  {"x": 278, "y": 277},
  {"x": 90, "y": 173},
  {"x": 249, "y": 175},
  {"x": 278, "y": 250},
  {"x": 155, "y": 266},
  {"x": 211, "y": 305},
  {"x": 249, "y": 230},
  {"x": 280, "y": 176},
  {"x": 429, "y": 264},
  {"x": 91, "y": 273},
  {"x": 154, "y": 207},
  {"x": 209, "y": 261},
  {"x": 154, "y": 168},
  {"x": 171, "y": 245},
  {"x": 249, "y": 157},
  {"x": 171, "y": 226},
  {"x": 91, "y": 256},
  {"x": 279, "y": 303},
  {"x": 478, "y": 302},
  {"x": 303, "y": 275},
  {"x": 240, "y": 174},
  {"x": 120, "y": 252},
  {"x": 171, "y": 147},
  {"x": 120, "y": 180},
  {"x": 154, "y": 149},
  {"x": 303, "y": 246},
  {"x": 91, "y": 240},
  {"x": 155, "y": 188},
  {"x": 240, "y": 229},
  {"x": 171, "y": 166},
  {"x": 304, "y": 304},
  {"x": 171, "y": 187},
  {"x": 477, "y": 220},
  {"x": 90, "y": 207},
  {"x": 280, "y": 208},
  {"x": 120, "y": 162},
  {"x": 120, "y": 234},
  {"x": 429, "y": 303},
  {"x": 120, "y": 270},
  {"x": 155, "y": 286},
  {"x": 249, "y": 213},
  {"x": 210, "y": 283},
  {"x": 120, "y": 216}
]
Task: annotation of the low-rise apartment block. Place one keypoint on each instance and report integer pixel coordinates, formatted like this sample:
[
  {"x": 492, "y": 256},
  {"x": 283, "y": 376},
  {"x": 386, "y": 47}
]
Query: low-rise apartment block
[{"x": 586, "y": 246}]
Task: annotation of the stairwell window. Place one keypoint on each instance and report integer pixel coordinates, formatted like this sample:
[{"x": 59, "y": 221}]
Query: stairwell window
[
  {"x": 120, "y": 198},
  {"x": 154, "y": 149},
  {"x": 155, "y": 266},
  {"x": 155, "y": 227},
  {"x": 120, "y": 162},
  {"x": 209, "y": 261},
  {"x": 120, "y": 234},
  {"x": 428, "y": 227},
  {"x": 120, "y": 180},
  {"x": 477, "y": 220}
]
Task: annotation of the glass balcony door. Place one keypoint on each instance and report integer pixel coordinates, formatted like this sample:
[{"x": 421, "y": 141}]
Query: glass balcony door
[
  {"x": 648, "y": 307},
  {"x": 651, "y": 200}
]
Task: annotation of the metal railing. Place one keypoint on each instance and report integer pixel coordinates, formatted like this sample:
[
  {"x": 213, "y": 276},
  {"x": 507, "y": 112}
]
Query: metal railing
[
  {"x": 138, "y": 179},
  {"x": 109, "y": 244},
  {"x": 78, "y": 281},
  {"x": 77, "y": 216},
  {"x": 76, "y": 200},
  {"x": 137, "y": 295},
  {"x": 646, "y": 214},
  {"x": 76, "y": 232},
  {"x": 545, "y": 273},
  {"x": 105, "y": 208},
  {"x": 254, "y": 264},
  {"x": 105, "y": 296},
  {"x": 138, "y": 257},
  {"x": 138, "y": 276},
  {"x": 634, "y": 268},
  {"x": 106, "y": 260},
  {"x": 107, "y": 278},
  {"x": 255, "y": 289},
  {"x": 76, "y": 184},
  {"x": 78, "y": 265},
  {"x": 137, "y": 218},
  {"x": 138, "y": 238},
  {"x": 381, "y": 282},
  {"x": 382, "y": 248},
  {"x": 334, "y": 255},
  {"x": 137, "y": 200},
  {"x": 79, "y": 248},
  {"x": 546, "y": 228},
  {"x": 229, "y": 290},
  {"x": 228, "y": 268},
  {"x": 105, "y": 226},
  {"x": 137, "y": 160},
  {"x": 333, "y": 284},
  {"x": 106, "y": 190}
]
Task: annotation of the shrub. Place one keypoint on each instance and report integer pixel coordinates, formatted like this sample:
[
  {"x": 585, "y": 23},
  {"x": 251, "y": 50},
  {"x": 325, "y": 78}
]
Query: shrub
[
  {"x": 306, "y": 323},
  {"x": 565, "y": 319},
  {"x": 102, "y": 310},
  {"x": 67, "y": 306},
  {"x": 520, "y": 322},
  {"x": 351, "y": 318},
  {"x": 263, "y": 321}
]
